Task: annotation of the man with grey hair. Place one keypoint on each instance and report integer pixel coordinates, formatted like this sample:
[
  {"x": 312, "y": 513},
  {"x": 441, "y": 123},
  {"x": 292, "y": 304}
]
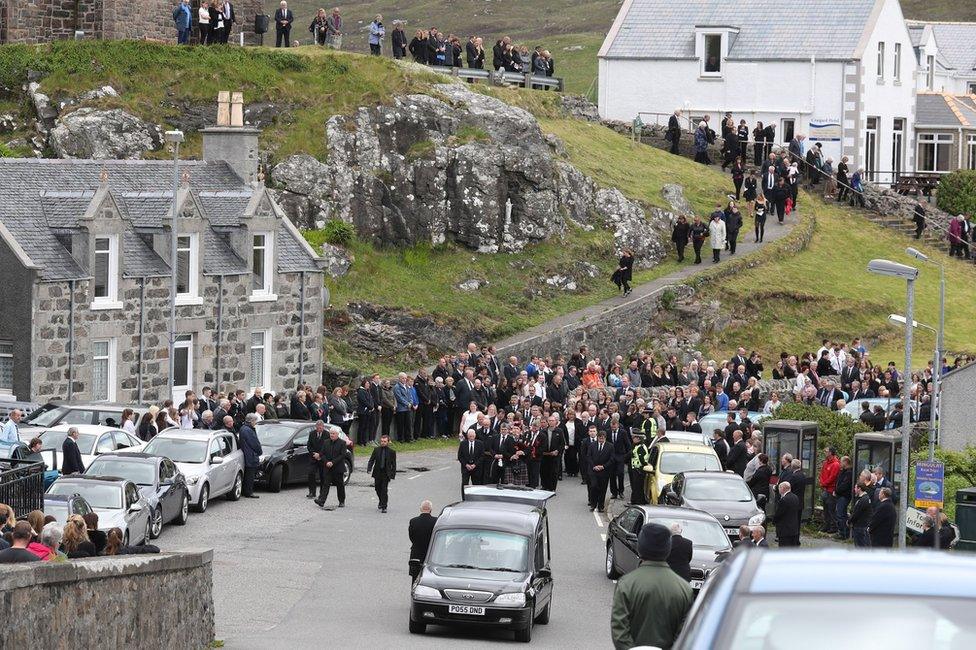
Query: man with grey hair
[
  {"x": 759, "y": 537},
  {"x": 787, "y": 516},
  {"x": 251, "y": 447},
  {"x": 71, "y": 462},
  {"x": 207, "y": 420},
  {"x": 420, "y": 529},
  {"x": 9, "y": 432},
  {"x": 50, "y": 537}
]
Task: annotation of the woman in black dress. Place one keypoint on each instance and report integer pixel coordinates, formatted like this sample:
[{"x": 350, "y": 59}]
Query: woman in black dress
[
  {"x": 679, "y": 235},
  {"x": 750, "y": 188},
  {"x": 625, "y": 271},
  {"x": 760, "y": 215},
  {"x": 738, "y": 175}
]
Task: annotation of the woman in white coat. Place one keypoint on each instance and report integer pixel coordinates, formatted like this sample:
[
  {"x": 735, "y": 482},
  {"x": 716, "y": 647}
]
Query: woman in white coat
[{"x": 716, "y": 230}]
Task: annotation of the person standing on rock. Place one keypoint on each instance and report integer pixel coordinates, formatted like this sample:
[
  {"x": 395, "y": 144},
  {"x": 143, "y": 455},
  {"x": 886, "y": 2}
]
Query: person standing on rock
[
  {"x": 698, "y": 233},
  {"x": 679, "y": 235},
  {"x": 625, "y": 270},
  {"x": 674, "y": 131},
  {"x": 376, "y": 34},
  {"x": 283, "y": 19},
  {"x": 716, "y": 232},
  {"x": 334, "y": 36}
]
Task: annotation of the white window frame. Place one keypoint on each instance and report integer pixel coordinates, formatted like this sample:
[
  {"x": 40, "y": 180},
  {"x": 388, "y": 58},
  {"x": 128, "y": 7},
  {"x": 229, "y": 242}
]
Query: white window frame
[
  {"x": 971, "y": 88},
  {"x": 265, "y": 346},
  {"x": 110, "y": 359},
  {"x": 704, "y": 56},
  {"x": 930, "y": 72},
  {"x": 971, "y": 151},
  {"x": 8, "y": 355},
  {"x": 266, "y": 293},
  {"x": 192, "y": 295},
  {"x": 937, "y": 140},
  {"x": 111, "y": 300},
  {"x": 184, "y": 341},
  {"x": 881, "y": 60},
  {"x": 896, "y": 68}
]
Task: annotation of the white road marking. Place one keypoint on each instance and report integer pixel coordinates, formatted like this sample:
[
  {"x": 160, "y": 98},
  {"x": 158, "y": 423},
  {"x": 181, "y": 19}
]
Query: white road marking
[
  {"x": 596, "y": 516},
  {"x": 417, "y": 475}
]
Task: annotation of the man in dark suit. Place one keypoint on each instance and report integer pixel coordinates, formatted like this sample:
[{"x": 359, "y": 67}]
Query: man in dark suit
[
  {"x": 420, "y": 529},
  {"x": 850, "y": 374},
  {"x": 599, "y": 466},
  {"x": 465, "y": 390},
  {"x": 828, "y": 396},
  {"x": 738, "y": 456},
  {"x": 787, "y": 517},
  {"x": 622, "y": 446},
  {"x": 251, "y": 447},
  {"x": 681, "y": 551},
  {"x": 316, "y": 470},
  {"x": 797, "y": 480},
  {"x": 333, "y": 458},
  {"x": 674, "y": 131},
  {"x": 551, "y": 449},
  {"x": 471, "y": 453},
  {"x": 424, "y": 426},
  {"x": 382, "y": 467},
  {"x": 229, "y": 19},
  {"x": 759, "y": 537},
  {"x": 721, "y": 447},
  {"x": 71, "y": 462},
  {"x": 882, "y": 526},
  {"x": 859, "y": 393},
  {"x": 860, "y": 517},
  {"x": 251, "y": 405},
  {"x": 365, "y": 408}
]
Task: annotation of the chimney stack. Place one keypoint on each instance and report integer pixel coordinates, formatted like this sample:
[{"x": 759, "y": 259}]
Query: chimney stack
[{"x": 230, "y": 140}]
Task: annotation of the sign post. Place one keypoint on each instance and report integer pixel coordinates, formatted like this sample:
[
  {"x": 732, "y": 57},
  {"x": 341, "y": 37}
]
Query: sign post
[{"x": 929, "y": 484}]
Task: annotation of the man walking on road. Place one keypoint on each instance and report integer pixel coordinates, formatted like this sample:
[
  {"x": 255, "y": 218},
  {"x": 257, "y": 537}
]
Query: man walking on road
[
  {"x": 332, "y": 456},
  {"x": 315, "y": 468},
  {"x": 599, "y": 458},
  {"x": 651, "y": 602},
  {"x": 470, "y": 454},
  {"x": 638, "y": 477},
  {"x": 251, "y": 447},
  {"x": 420, "y": 530},
  {"x": 551, "y": 451},
  {"x": 382, "y": 467},
  {"x": 787, "y": 517}
]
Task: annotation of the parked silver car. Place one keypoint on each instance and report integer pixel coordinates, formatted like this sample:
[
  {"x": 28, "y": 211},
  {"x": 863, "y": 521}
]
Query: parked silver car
[
  {"x": 116, "y": 501},
  {"x": 53, "y": 414},
  {"x": 210, "y": 460}
]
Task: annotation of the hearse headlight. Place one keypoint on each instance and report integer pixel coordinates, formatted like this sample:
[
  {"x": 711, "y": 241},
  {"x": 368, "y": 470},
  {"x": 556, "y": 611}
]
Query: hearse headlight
[
  {"x": 420, "y": 591},
  {"x": 518, "y": 599},
  {"x": 757, "y": 520}
]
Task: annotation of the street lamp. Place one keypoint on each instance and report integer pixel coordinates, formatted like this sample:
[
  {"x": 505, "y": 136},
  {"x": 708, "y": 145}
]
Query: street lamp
[
  {"x": 909, "y": 274},
  {"x": 939, "y": 347},
  {"x": 174, "y": 138},
  {"x": 898, "y": 319}
]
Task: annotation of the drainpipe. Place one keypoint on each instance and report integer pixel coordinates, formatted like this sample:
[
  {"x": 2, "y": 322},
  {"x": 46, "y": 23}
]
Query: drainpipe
[
  {"x": 301, "y": 333},
  {"x": 71, "y": 339},
  {"x": 142, "y": 331},
  {"x": 220, "y": 328},
  {"x": 959, "y": 150}
]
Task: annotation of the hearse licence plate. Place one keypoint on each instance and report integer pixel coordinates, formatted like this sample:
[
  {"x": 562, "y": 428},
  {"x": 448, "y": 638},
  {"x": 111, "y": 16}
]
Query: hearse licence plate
[
  {"x": 697, "y": 584},
  {"x": 732, "y": 531},
  {"x": 470, "y": 610}
]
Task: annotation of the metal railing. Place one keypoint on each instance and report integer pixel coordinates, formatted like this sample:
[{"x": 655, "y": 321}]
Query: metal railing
[
  {"x": 526, "y": 80},
  {"x": 7, "y": 406},
  {"x": 22, "y": 485}
]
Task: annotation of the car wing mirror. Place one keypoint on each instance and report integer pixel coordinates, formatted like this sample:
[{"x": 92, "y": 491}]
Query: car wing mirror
[
  {"x": 216, "y": 460},
  {"x": 544, "y": 572},
  {"x": 135, "y": 507}
]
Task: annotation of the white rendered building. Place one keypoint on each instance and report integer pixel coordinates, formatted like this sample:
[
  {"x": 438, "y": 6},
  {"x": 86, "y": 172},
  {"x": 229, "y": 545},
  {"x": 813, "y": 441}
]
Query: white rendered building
[{"x": 946, "y": 55}]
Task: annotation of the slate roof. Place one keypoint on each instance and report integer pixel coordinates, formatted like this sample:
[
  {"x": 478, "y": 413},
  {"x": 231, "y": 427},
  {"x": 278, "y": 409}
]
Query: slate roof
[
  {"x": 943, "y": 109},
  {"x": 43, "y": 198},
  {"x": 768, "y": 29},
  {"x": 955, "y": 42}
]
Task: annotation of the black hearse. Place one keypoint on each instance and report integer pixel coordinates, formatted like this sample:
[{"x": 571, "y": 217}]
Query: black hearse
[{"x": 488, "y": 563}]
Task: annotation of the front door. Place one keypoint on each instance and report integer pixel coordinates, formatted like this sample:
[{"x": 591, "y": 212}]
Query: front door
[{"x": 182, "y": 367}]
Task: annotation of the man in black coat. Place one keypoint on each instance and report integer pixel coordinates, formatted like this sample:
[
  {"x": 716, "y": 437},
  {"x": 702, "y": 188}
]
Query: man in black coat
[
  {"x": 721, "y": 447},
  {"x": 471, "y": 454},
  {"x": 787, "y": 517},
  {"x": 860, "y": 517},
  {"x": 681, "y": 552},
  {"x": 399, "y": 40},
  {"x": 332, "y": 456},
  {"x": 599, "y": 467},
  {"x": 382, "y": 467},
  {"x": 551, "y": 449},
  {"x": 71, "y": 462},
  {"x": 674, "y": 131},
  {"x": 425, "y": 412},
  {"x": 283, "y": 19},
  {"x": 883, "y": 521},
  {"x": 420, "y": 529},
  {"x": 622, "y": 446},
  {"x": 365, "y": 408},
  {"x": 738, "y": 456},
  {"x": 316, "y": 470},
  {"x": 251, "y": 447}
]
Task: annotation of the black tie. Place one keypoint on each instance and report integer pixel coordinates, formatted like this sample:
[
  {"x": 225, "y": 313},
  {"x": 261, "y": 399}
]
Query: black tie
[{"x": 471, "y": 448}]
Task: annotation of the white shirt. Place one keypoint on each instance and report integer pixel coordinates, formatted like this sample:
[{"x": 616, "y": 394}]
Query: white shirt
[
  {"x": 129, "y": 427},
  {"x": 204, "y": 15},
  {"x": 570, "y": 432}
]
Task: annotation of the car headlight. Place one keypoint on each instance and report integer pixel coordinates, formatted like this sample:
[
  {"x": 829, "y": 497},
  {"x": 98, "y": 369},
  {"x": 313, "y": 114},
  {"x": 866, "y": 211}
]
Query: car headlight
[
  {"x": 420, "y": 591},
  {"x": 517, "y": 599},
  {"x": 192, "y": 480},
  {"x": 757, "y": 520}
]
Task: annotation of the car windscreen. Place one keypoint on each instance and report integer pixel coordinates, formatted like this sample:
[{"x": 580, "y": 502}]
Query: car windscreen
[
  {"x": 98, "y": 495},
  {"x": 274, "y": 435},
  {"x": 54, "y": 440},
  {"x": 45, "y": 416},
  {"x": 674, "y": 462},
  {"x": 178, "y": 450},
  {"x": 137, "y": 471},
  {"x": 703, "y": 534},
  {"x": 706, "y": 488},
  {"x": 480, "y": 549},
  {"x": 776, "y": 621}
]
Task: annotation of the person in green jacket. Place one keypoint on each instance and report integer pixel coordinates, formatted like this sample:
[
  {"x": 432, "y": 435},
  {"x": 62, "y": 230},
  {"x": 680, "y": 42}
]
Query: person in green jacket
[
  {"x": 651, "y": 602},
  {"x": 638, "y": 476}
]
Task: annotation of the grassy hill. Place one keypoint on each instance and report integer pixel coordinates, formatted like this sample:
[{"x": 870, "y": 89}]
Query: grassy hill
[
  {"x": 786, "y": 303},
  {"x": 939, "y": 10}
]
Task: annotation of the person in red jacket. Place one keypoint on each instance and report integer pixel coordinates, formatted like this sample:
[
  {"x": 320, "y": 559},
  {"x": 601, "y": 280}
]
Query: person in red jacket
[{"x": 828, "y": 483}]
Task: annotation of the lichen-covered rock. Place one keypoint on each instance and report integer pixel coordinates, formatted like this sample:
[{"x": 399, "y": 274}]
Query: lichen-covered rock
[
  {"x": 102, "y": 134},
  {"x": 336, "y": 261},
  {"x": 46, "y": 113},
  {"x": 643, "y": 234},
  {"x": 580, "y": 107},
  {"x": 675, "y": 196}
]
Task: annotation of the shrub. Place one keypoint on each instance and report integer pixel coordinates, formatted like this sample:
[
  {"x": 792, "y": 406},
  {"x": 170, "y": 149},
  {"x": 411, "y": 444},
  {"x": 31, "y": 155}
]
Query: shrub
[
  {"x": 467, "y": 134},
  {"x": 957, "y": 192},
  {"x": 668, "y": 297},
  {"x": 338, "y": 233},
  {"x": 836, "y": 429},
  {"x": 5, "y": 151},
  {"x": 418, "y": 150}
]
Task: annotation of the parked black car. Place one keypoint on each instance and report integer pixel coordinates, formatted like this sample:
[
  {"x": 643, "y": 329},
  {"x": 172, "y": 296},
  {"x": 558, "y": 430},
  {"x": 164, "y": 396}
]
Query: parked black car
[
  {"x": 160, "y": 482},
  {"x": 488, "y": 563},
  {"x": 286, "y": 460},
  {"x": 724, "y": 495},
  {"x": 710, "y": 545}
]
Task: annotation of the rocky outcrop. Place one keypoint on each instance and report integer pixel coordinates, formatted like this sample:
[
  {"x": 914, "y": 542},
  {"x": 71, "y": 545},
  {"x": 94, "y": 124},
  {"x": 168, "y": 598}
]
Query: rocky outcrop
[
  {"x": 456, "y": 166},
  {"x": 675, "y": 196},
  {"x": 336, "y": 261},
  {"x": 580, "y": 108},
  {"x": 102, "y": 134}
]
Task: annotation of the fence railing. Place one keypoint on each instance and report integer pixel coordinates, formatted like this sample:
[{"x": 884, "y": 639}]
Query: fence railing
[
  {"x": 22, "y": 485},
  {"x": 526, "y": 80},
  {"x": 7, "y": 406}
]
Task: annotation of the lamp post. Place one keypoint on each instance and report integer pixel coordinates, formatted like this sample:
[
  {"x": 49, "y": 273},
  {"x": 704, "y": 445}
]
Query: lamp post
[
  {"x": 939, "y": 345},
  {"x": 909, "y": 274},
  {"x": 174, "y": 138}
]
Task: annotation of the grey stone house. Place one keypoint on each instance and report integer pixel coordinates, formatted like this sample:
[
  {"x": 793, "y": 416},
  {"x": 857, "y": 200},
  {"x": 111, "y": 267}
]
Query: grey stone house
[
  {"x": 956, "y": 409},
  {"x": 85, "y": 293}
]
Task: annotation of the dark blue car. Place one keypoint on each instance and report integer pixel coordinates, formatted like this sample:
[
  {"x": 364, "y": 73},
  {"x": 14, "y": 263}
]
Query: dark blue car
[{"x": 835, "y": 598}]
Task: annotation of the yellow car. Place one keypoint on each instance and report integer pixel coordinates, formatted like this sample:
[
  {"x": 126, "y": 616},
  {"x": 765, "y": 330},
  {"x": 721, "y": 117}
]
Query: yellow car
[{"x": 669, "y": 458}]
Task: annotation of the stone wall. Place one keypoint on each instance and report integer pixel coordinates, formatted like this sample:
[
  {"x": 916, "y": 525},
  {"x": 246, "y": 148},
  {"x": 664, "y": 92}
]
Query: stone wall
[
  {"x": 132, "y": 601},
  {"x": 956, "y": 409},
  {"x": 239, "y": 318}
]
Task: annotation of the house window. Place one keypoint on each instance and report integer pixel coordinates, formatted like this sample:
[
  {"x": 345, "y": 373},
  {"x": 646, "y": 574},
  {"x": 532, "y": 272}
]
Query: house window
[
  {"x": 971, "y": 163},
  {"x": 971, "y": 88},
  {"x": 103, "y": 370},
  {"x": 187, "y": 273},
  {"x": 934, "y": 152},
  {"x": 897, "y": 66},
  {"x": 106, "y": 271},
  {"x": 260, "y": 358},
  {"x": 787, "y": 127},
  {"x": 712, "y": 54},
  {"x": 881, "y": 58},
  {"x": 897, "y": 145},
  {"x": 182, "y": 366},
  {"x": 930, "y": 72},
  {"x": 871, "y": 148},
  {"x": 261, "y": 266},
  {"x": 6, "y": 367}
]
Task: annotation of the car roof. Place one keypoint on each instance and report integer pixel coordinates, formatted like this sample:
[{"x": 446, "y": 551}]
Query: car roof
[
  {"x": 681, "y": 446},
  {"x": 515, "y": 518},
  {"x": 83, "y": 428},
  {"x": 876, "y": 572},
  {"x": 191, "y": 434},
  {"x": 297, "y": 424},
  {"x": 731, "y": 476},
  {"x": 88, "y": 478},
  {"x": 96, "y": 405},
  {"x": 674, "y": 512}
]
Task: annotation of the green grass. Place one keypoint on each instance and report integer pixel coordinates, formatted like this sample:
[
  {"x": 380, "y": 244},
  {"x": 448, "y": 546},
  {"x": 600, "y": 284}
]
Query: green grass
[
  {"x": 939, "y": 10},
  {"x": 424, "y": 444}
]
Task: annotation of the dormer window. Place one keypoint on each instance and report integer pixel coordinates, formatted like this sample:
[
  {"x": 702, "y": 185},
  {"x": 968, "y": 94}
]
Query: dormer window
[
  {"x": 188, "y": 269},
  {"x": 712, "y": 43},
  {"x": 712, "y": 60},
  {"x": 262, "y": 267},
  {"x": 105, "y": 273}
]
